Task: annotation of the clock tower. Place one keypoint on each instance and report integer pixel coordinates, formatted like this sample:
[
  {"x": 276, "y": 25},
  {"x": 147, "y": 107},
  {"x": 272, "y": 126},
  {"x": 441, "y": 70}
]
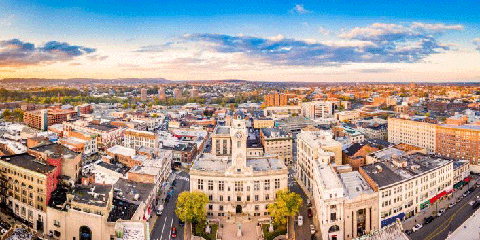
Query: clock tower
[{"x": 239, "y": 135}]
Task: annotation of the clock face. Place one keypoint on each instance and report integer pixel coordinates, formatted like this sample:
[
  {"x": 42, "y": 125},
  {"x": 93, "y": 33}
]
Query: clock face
[{"x": 239, "y": 134}]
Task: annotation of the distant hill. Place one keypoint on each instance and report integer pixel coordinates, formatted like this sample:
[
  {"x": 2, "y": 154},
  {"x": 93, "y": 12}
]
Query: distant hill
[{"x": 82, "y": 81}]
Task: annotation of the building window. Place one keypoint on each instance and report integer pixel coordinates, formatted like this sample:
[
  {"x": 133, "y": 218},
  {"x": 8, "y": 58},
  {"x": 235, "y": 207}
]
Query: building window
[
  {"x": 210, "y": 197},
  {"x": 221, "y": 185},
  {"x": 277, "y": 183},
  {"x": 210, "y": 207},
  {"x": 238, "y": 186},
  {"x": 200, "y": 184},
  {"x": 248, "y": 198},
  {"x": 210, "y": 185},
  {"x": 257, "y": 207},
  {"x": 220, "y": 198},
  {"x": 239, "y": 198},
  {"x": 256, "y": 198},
  {"x": 267, "y": 184},
  {"x": 333, "y": 216},
  {"x": 256, "y": 185},
  {"x": 267, "y": 196},
  {"x": 220, "y": 208}
]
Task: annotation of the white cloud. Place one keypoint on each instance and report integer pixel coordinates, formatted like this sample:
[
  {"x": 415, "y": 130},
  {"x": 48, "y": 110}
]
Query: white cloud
[
  {"x": 324, "y": 31},
  {"x": 299, "y": 9}
]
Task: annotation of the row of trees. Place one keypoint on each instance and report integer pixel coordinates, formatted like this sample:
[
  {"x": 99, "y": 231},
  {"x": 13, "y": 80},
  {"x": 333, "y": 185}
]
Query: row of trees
[{"x": 16, "y": 115}]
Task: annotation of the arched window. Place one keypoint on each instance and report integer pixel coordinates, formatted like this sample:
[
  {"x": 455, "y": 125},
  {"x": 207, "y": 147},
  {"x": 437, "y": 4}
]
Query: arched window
[
  {"x": 333, "y": 228},
  {"x": 85, "y": 233}
]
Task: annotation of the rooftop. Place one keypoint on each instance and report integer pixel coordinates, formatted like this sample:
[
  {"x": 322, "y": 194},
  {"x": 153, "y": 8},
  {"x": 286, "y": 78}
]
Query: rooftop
[
  {"x": 220, "y": 164},
  {"x": 354, "y": 184},
  {"x": 95, "y": 194},
  {"x": 133, "y": 192},
  {"x": 121, "y": 150},
  {"x": 28, "y": 162},
  {"x": 222, "y": 130},
  {"x": 102, "y": 127},
  {"x": 399, "y": 168},
  {"x": 56, "y": 150}
]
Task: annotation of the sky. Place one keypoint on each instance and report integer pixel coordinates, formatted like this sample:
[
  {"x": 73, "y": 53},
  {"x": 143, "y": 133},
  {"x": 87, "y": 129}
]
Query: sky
[{"x": 271, "y": 40}]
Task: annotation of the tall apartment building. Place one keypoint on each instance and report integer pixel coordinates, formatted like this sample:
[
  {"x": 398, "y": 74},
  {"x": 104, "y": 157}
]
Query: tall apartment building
[
  {"x": 459, "y": 142},
  {"x": 414, "y": 132},
  {"x": 27, "y": 184},
  {"x": 275, "y": 100},
  {"x": 41, "y": 119},
  {"x": 318, "y": 109},
  {"x": 277, "y": 142},
  {"x": 194, "y": 92},
  {"x": 136, "y": 139},
  {"x": 84, "y": 109},
  {"x": 161, "y": 93},
  {"x": 315, "y": 147},
  {"x": 177, "y": 93},
  {"x": 143, "y": 94}
]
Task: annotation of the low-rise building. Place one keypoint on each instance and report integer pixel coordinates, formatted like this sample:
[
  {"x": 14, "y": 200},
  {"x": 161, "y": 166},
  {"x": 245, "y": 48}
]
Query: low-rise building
[{"x": 278, "y": 143}]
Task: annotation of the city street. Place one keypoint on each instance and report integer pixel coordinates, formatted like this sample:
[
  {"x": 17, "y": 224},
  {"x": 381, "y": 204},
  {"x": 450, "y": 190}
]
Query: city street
[
  {"x": 168, "y": 219},
  {"x": 302, "y": 232},
  {"x": 449, "y": 221}
]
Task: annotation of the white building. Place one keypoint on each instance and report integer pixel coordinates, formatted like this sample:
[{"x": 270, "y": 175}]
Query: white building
[
  {"x": 235, "y": 183},
  {"x": 318, "y": 109},
  {"x": 315, "y": 147},
  {"x": 418, "y": 133},
  {"x": 136, "y": 139},
  {"x": 408, "y": 184}
]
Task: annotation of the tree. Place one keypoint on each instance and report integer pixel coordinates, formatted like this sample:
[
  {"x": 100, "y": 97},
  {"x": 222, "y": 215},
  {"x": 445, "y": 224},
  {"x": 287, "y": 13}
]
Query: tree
[
  {"x": 286, "y": 205},
  {"x": 191, "y": 206}
]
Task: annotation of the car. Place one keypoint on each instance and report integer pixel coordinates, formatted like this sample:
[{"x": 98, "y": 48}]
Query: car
[
  {"x": 160, "y": 209},
  {"x": 309, "y": 213},
  {"x": 476, "y": 204},
  {"x": 451, "y": 205},
  {"x": 2, "y": 231},
  {"x": 167, "y": 198},
  {"x": 312, "y": 229},
  {"x": 5, "y": 225},
  {"x": 174, "y": 182},
  {"x": 408, "y": 232},
  {"x": 300, "y": 221},
  {"x": 440, "y": 212},
  {"x": 416, "y": 227},
  {"x": 181, "y": 223},
  {"x": 471, "y": 189},
  {"x": 428, "y": 220},
  {"x": 309, "y": 203},
  {"x": 173, "y": 232}
]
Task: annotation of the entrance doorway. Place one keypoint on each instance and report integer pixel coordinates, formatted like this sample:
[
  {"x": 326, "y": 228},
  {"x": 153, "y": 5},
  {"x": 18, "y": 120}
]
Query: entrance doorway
[{"x": 238, "y": 209}]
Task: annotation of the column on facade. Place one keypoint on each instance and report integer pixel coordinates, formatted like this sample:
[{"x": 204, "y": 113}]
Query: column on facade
[
  {"x": 354, "y": 225},
  {"x": 367, "y": 219}
]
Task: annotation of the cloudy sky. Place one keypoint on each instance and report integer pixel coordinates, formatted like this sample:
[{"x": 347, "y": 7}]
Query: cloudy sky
[{"x": 273, "y": 40}]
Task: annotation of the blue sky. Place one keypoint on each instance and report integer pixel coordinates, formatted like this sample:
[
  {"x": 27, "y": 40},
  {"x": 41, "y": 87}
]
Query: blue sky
[{"x": 328, "y": 40}]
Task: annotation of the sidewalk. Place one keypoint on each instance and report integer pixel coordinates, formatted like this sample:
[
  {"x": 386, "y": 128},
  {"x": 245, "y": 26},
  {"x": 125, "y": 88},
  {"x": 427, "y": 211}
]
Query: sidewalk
[
  {"x": 164, "y": 191},
  {"x": 432, "y": 209}
]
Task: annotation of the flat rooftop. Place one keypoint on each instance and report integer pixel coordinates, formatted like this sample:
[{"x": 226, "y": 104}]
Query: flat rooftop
[
  {"x": 121, "y": 150},
  {"x": 222, "y": 130},
  {"x": 354, "y": 184},
  {"x": 102, "y": 127},
  {"x": 213, "y": 163},
  {"x": 95, "y": 194},
  {"x": 391, "y": 171},
  {"x": 328, "y": 177},
  {"x": 56, "y": 150},
  {"x": 28, "y": 162},
  {"x": 133, "y": 192}
]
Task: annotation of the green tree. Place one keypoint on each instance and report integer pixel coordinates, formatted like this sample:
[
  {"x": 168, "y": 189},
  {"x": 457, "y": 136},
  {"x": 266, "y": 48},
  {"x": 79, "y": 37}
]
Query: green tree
[
  {"x": 191, "y": 206},
  {"x": 6, "y": 114},
  {"x": 286, "y": 205}
]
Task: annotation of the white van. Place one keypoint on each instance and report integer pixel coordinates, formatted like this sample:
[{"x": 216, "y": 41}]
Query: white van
[{"x": 159, "y": 209}]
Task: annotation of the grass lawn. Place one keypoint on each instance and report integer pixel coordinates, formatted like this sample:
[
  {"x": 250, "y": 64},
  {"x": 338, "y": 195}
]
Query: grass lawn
[
  {"x": 280, "y": 230},
  {"x": 200, "y": 231}
]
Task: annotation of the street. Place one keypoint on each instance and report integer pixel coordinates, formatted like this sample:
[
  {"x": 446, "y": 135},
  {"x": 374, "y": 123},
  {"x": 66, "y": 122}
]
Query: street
[
  {"x": 302, "y": 232},
  {"x": 449, "y": 221},
  {"x": 168, "y": 219}
]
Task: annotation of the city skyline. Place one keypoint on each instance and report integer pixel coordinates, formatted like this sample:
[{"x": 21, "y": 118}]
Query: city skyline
[{"x": 272, "y": 41}]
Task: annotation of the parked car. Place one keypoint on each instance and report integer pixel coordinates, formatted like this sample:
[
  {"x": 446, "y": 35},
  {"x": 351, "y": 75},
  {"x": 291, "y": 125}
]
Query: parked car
[
  {"x": 451, "y": 205},
  {"x": 180, "y": 222},
  {"x": 300, "y": 221},
  {"x": 440, "y": 212},
  {"x": 160, "y": 209},
  {"x": 465, "y": 194},
  {"x": 312, "y": 229},
  {"x": 309, "y": 213},
  {"x": 476, "y": 204},
  {"x": 428, "y": 220},
  {"x": 173, "y": 232},
  {"x": 408, "y": 232},
  {"x": 417, "y": 227},
  {"x": 167, "y": 198}
]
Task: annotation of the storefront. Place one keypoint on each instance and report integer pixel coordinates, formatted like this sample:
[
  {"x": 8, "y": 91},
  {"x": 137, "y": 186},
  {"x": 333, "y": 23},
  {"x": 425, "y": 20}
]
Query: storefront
[{"x": 391, "y": 220}]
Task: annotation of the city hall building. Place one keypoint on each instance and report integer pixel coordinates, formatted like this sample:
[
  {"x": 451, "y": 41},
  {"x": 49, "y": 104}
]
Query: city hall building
[{"x": 237, "y": 184}]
